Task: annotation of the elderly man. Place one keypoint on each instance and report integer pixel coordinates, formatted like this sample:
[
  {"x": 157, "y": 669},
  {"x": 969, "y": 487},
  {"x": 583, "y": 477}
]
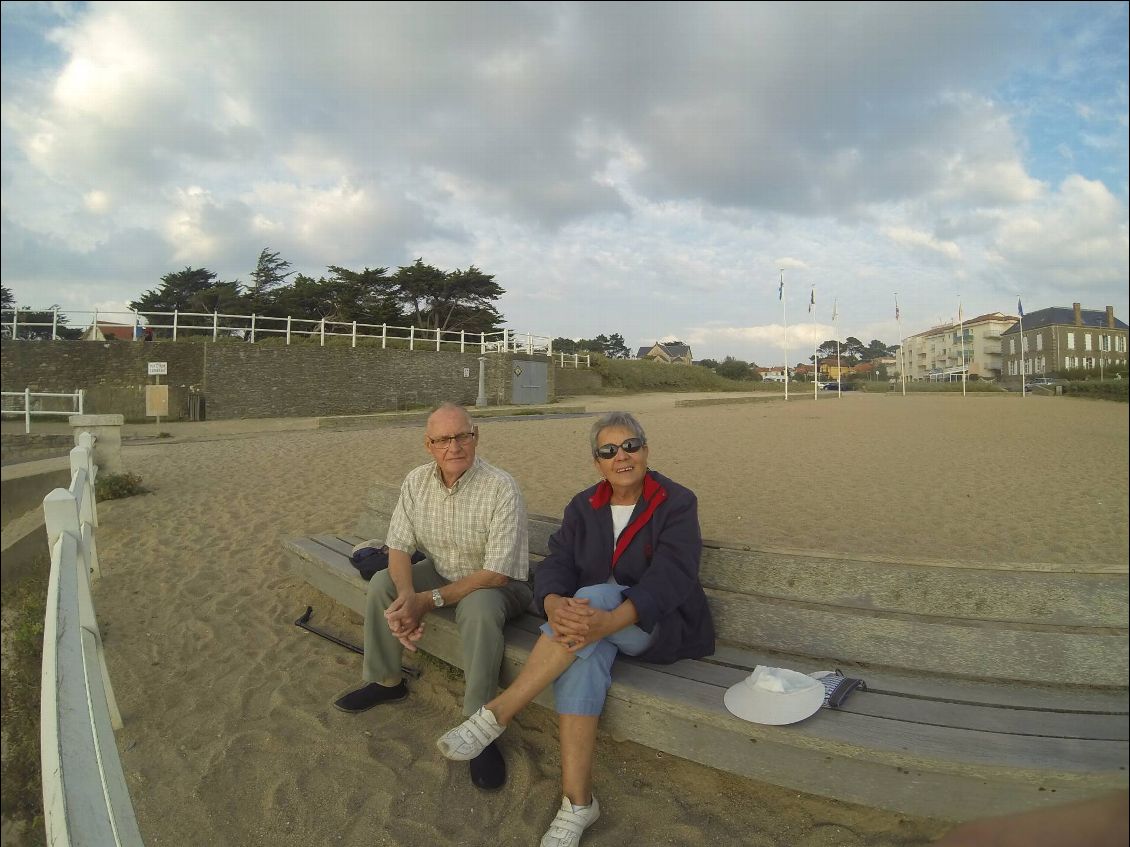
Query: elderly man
[{"x": 469, "y": 518}]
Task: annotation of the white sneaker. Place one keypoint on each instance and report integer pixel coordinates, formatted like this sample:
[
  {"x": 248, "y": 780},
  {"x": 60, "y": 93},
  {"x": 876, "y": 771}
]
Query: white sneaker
[
  {"x": 471, "y": 737},
  {"x": 571, "y": 821}
]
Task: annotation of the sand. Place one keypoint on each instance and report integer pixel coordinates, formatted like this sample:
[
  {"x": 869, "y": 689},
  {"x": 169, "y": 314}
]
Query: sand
[{"x": 230, "y": 738}]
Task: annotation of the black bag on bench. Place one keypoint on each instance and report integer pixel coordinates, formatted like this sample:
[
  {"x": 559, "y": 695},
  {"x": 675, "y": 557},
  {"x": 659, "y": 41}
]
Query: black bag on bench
[
  {"x": 838, "y": 687},
  {"x": 369, "y": 560}
]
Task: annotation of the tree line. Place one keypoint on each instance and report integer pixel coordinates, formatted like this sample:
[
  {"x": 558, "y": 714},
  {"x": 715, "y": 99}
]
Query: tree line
[
  {"x": 852, "y": 352},
  {"x": 417, "y": 295}
]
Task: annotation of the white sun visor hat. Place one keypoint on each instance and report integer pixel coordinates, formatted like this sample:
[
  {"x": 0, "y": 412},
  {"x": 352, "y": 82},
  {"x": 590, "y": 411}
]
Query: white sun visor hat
[{"x": 775, "y": 696}]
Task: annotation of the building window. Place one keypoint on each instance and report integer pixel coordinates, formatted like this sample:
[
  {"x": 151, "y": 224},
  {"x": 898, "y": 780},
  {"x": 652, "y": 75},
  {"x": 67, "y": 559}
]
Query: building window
[
  {"x": 1040, "y": 341},
  {"x": 1071, "y": 341},
  {"x": 1012, "y": 346},
  {"x": 1067, "y": 363},
  {"x": 1086, "y": 341},
  {"x": 1025, "y": 343}
]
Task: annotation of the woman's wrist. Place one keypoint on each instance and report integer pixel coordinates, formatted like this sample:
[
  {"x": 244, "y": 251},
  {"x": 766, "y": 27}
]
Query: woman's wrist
[{"x": 550, "y": 603}]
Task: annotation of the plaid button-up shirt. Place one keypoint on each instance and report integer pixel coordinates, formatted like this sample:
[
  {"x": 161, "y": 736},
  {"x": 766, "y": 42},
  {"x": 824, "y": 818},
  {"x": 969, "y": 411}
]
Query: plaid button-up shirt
[{"x": 478, "y": 524}]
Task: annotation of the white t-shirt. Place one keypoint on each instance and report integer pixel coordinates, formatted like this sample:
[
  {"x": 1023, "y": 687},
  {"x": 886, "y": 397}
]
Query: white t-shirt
[{"x": 620, "y": 517}]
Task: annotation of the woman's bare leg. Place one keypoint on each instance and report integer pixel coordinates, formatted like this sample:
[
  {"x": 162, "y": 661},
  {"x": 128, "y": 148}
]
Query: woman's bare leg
[
  {"x": 578, "y": 746},
  {"x": 548, "y": 660}
]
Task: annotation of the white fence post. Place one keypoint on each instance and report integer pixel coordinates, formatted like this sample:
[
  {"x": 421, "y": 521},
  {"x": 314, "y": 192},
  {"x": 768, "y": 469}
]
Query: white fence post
[
  {"x": 288, "y": 330},
  {"x": 438, "y": 332},
  {"x": 411, "y": 337},
  {"x": 215, "y": 325},
  {"x": 252, "y": 327},
  {"x": 82, "y": 458},
  {"x": 354, "y": 343},
  {"x": 384, "y": 335},
  {"x": 27, "y": 411},
  {"x": 54, "y": 324},
  {"x": 322, "y": 332},
  {"x": 176, "y": 321},
  {"x": 15, "y": 320},
  {"x": 462, "y": 340}
]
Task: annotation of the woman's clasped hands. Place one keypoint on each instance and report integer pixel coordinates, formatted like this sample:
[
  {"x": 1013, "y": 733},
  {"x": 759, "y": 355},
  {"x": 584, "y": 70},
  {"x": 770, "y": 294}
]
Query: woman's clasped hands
[{"x": 575, "y": 623}]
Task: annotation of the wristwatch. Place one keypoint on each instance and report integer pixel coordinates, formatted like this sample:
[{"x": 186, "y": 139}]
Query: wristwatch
[{"x": 437, "y": 598}]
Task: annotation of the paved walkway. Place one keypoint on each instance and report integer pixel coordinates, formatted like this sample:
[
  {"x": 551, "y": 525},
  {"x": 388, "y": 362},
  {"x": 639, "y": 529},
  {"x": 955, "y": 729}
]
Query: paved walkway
[{"x": 212, "y": 430}]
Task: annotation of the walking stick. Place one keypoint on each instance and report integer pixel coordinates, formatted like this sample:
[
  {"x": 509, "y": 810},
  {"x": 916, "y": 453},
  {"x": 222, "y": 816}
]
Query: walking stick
[{"x": 304, "y": 623}]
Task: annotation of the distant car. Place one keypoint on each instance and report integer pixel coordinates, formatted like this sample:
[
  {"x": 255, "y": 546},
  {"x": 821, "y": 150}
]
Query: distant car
[
  {"x": 1039, "y": 382},
  {"x": 843, "y": 386}
]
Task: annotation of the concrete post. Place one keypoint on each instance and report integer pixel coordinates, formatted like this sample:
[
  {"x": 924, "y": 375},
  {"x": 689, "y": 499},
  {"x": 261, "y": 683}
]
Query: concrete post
[
  {"x": 481, "y": 401},
  {"x": 107, "y": 431}
]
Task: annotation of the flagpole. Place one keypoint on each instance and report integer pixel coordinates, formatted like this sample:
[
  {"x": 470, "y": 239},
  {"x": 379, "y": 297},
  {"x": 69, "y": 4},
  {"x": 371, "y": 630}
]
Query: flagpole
[
  {"x": 815, "y": 358},
  {"x": 902, "y": 346},
  {"x": 1020, "y": 309},
  {"x": 961, "y": 335},
  {"x": 785, "y": 337},
  {"x": 839, "y": 367}
]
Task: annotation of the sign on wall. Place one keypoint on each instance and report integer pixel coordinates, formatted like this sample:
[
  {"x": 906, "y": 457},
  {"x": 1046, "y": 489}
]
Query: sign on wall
[{"x": 158, "y": 368}]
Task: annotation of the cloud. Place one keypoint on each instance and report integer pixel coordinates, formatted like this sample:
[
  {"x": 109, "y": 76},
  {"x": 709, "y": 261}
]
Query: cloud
[
  {"x": 1075, "y": 240},
  {"x": 642, "y": 168},
  {"x": 922, "y": 241}
]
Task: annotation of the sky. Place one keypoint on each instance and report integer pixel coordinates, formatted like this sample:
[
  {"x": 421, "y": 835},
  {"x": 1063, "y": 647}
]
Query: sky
[{"x": 648, "y": 169}]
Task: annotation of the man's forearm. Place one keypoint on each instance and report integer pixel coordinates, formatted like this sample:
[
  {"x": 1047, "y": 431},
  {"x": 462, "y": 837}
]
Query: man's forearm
[
  {"x": 400, "y": 571},
  {"x": 456, "y": 591}
]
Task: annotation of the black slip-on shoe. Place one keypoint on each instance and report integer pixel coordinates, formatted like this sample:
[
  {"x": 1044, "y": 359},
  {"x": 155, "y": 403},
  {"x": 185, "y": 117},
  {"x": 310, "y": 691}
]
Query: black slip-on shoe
[
  {"x": 488, "y": 769},
  {"x": 369, "y": 695}
]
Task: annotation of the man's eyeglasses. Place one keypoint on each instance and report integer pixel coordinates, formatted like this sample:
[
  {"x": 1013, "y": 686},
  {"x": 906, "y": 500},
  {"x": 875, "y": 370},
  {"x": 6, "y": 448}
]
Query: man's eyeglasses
[
  {"x": 608, "y": 451},
  {"x": 444, "y": 442}
]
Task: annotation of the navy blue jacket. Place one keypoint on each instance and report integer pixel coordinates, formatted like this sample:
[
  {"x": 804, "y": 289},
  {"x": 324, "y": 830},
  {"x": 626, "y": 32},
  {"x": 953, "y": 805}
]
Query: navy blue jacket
[{"x": 657, "y": 557}]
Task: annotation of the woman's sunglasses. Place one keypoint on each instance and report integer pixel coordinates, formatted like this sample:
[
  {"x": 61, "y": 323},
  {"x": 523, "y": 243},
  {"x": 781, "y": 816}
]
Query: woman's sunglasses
[{"x": 608, "y": 451}]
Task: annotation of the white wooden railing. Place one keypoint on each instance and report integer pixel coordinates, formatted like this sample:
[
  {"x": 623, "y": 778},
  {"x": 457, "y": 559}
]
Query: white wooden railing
[
  {"x": 571, "y": 360},
  {"x": 85, "y": 799},
  {"x": 77, "y": 400},
  {"x": 256, "y": 327}
]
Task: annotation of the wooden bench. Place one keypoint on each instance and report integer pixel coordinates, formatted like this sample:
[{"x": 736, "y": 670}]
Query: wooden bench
[{"x": 989, "y": 690}]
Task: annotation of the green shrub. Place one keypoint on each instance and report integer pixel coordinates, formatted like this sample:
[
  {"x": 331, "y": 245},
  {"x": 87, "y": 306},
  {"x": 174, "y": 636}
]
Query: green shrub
[
  {"x": 633, "y": 375},
  {"x": 22, "y": 798},
  {"x": 115, "y": 486},
  {"x": 1113, "y": 389}
]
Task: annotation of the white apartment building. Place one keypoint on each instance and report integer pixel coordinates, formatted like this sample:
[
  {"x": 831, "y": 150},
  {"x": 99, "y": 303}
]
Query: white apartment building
[{"x": 944, "y": 352}]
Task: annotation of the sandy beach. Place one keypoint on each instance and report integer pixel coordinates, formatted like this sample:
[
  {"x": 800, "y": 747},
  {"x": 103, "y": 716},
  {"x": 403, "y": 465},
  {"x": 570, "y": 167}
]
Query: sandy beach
[{"x": 230, "y": 738}]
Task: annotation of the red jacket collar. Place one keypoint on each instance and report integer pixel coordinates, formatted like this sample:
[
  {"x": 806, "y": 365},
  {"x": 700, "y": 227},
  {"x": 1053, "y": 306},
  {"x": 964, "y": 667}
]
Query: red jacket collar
[{"x": 603, "y": 494}]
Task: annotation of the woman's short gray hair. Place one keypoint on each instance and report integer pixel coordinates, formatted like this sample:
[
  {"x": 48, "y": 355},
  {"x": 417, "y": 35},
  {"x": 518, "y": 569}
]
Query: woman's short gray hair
[{"x": 620, "y": 419}]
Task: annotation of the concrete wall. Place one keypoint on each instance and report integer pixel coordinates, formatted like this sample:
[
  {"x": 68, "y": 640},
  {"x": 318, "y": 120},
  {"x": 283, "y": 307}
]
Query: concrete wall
[
  {"x": 113, "y": 373},
  {"x": 241, "y": 380}
]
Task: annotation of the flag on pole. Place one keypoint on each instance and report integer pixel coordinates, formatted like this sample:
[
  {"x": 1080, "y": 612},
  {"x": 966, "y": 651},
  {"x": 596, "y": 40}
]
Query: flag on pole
[
  {"x": 812, "y": 299},
  {"x": 835, "y": 309},
  {"x": 781, "y": 288},
  {"x": 959, "y": 311},
  {"x": 896, "y": 308},
  {"x": 1019, "y": 307}
]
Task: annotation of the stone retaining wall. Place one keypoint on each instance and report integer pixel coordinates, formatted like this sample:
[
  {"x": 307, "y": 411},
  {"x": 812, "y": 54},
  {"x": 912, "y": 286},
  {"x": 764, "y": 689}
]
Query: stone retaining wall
[{"x": 241, "y": 380}]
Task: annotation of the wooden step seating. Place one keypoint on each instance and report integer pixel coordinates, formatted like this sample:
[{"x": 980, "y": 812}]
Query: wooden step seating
[{"x": 990, "y": 690}]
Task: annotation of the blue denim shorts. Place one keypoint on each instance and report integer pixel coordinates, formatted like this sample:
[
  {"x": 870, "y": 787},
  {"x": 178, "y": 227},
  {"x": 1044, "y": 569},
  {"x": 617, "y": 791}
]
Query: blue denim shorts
[{"x": 582, "y": 689}]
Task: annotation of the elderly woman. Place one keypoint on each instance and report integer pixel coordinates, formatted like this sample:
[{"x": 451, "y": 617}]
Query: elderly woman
[{"x": 621, "y": 577}]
